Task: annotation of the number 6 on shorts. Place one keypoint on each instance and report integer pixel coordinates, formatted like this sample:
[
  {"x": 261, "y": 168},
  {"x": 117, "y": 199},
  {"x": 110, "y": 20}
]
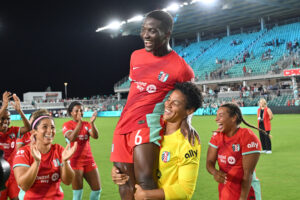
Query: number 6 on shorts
[{"x": 138, "y": 139}]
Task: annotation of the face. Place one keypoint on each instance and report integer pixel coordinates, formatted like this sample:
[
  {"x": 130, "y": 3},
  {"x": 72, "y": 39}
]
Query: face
[
  {"x": 224, "y": 121},
  {"x": 45, "y": 131},
  {"x": 5, "y": 121},
  {"x": 262, "y": 104},
  {"x": 76, "y": 110},
  {"x": 153, "y": 35},
  {"x": 175, "y": 107}
]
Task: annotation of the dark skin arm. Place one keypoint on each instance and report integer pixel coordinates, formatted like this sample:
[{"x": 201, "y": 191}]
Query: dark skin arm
[
  {"x": 249, "y": 163},
  {"x": 17, "y": 106},
  {"x": 72, "y": 135},
  {"x": 211, "y": 159}
]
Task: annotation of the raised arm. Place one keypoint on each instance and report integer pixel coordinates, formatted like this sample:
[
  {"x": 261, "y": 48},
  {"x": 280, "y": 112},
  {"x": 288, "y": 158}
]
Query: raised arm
[
  {"x": 17, "y": 105},
  {"x": 5, "y": 99},
  {"x": 72, "y": 135},
  {"x": 94, "y": 131},
  {"x": 249, "y": 163}
]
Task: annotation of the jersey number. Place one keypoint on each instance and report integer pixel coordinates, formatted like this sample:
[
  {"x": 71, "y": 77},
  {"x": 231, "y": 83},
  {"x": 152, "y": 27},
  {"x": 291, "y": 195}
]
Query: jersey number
[{"x": 138, "y": 139}]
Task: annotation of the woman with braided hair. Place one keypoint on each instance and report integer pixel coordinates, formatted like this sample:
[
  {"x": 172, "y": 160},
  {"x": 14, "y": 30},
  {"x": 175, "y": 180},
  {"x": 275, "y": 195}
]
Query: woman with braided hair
[{"x": 237, "y": 151}]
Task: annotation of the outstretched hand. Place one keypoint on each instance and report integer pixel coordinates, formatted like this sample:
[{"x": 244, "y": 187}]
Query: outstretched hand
[
  {"x": 17, "y": 103},
  {"x": 34, "y": 150},
  {"x": 117, "y": 177},
  {"x": 68, "y": 152},
  {"x": 94, "y": 116},
  {"x": 140, "y": 193},
  {"x": 220, "y": 176},
  {"x": 5, "y": 98}
]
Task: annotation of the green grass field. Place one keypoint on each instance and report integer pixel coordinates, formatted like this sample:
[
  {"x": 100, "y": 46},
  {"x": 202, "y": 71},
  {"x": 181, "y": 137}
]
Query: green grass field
[{"x": 279, "y": 172}]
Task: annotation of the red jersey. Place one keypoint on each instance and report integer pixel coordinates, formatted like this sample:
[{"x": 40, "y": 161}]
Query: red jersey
[
  {"x": 230, "y": 156},
  {"x": 25, "y": 139},
  {"x": 8, "y": 142},
  {"x": 47, "y": 182},
  {"x": 152, "y": 78},
  {"x": 266, "y": 118},
  {"x": 83, "y": 152}
]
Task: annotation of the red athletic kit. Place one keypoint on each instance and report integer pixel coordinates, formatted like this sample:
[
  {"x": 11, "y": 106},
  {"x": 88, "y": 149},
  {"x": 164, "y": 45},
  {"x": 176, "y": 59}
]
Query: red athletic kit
[
  {"x": 230, "y": 154},
  {"x": 25, "y": 139},
  {"x": 82, "y": 159},
  {"x": 47, "y": 182},
  {"x": 8, "y": 145},
  {"x": 152, "y": 78}
]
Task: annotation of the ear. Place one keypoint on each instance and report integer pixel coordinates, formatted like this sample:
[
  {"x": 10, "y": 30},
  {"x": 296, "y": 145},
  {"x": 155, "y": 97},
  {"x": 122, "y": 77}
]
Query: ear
[
  {"x": 190, "y": 111},
  {"x": 234, "y": 118},
  {"x": 168, "y": 34}
]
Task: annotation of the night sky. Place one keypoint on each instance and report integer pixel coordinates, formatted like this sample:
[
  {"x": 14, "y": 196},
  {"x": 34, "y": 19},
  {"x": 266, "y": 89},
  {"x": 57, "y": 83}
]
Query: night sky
[{"x": 47, "y": 43}]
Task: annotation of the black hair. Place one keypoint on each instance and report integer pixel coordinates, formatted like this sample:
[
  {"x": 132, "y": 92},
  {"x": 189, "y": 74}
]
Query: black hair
[
  {"x": 39, "y": 113},
  {"x": 165, "y": 18},
  {"x": 72, "y": 105},
  {"x": 192, "y": 93},
  {"x": 234, "y": 110}
]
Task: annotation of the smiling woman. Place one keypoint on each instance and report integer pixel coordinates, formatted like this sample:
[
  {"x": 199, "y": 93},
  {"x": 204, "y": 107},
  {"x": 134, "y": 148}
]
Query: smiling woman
[
  {"x": 41, "y": 166},
  {"x": 237, "y": 151}
]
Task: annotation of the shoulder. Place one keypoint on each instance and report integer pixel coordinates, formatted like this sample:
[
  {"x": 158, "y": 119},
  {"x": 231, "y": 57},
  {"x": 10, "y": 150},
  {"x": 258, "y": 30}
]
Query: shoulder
[
  {"x": 138, "y": 52},
  {"x": 247, "y": 134},
  {"x": 13, "y": 129},
  {"x": 57, "y": 148}
]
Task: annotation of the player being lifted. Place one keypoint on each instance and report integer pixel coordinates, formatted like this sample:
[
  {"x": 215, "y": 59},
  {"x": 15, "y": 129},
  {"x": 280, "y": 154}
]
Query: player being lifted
[{"x": 154, "y": 71}]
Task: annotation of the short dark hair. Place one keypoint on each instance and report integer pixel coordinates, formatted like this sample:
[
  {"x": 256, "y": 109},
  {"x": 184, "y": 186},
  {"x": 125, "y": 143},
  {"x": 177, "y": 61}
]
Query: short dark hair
[
  {"x": 192, "y": 93},
  {"x": 72, "y": 105},
  {"x": 165, "y": 18}
]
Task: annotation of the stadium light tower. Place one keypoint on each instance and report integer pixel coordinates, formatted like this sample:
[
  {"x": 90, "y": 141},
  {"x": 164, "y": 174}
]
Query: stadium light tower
[{"x": 66, "y": 84}]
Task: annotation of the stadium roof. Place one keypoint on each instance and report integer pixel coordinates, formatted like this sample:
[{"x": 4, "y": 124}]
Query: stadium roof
[{"x": 196, "y": 17}]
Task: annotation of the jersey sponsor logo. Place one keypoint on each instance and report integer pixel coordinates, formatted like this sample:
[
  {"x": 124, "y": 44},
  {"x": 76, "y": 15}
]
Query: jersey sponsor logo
[
  {"x": 252, "y": 145},
  {"x": 231, "y": 160},
  {"x": 151, "y": 88},
  {"x": 140, "y": 85},
  {"x": 165, "y": 157},
  {"x": 236, "y": 147},
  {"x": 55, "y": 177},
  {"x": 191, "y": 153},
  {"x": 43, "y": 179},
  {"x": 83, "y": 137},
  {"x": 222, "y": 158},
  {"x": 162, "y": 77},
  {"x": 4, "y": 145}
]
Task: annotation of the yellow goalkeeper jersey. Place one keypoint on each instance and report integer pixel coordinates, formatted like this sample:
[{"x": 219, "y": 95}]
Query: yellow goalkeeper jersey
[{"x": 178, "y": 166}]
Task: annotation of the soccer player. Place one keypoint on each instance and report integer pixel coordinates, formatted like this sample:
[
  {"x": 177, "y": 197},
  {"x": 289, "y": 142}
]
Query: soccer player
[
  {"x": 41, "y": 166},
  {"x": 237, "y": 151},
  {"x": 8, "y": 137},
  {"x": 264, "y": 117},
  {"x": 178, "y": 158},
  {"x": 154, "y": 71},
  {"x": 82, "y": 161}
]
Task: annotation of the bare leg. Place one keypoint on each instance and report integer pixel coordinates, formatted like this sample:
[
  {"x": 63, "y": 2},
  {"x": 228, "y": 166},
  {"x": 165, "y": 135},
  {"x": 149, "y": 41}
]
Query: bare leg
[
  {"x": 77, "y": 183},
  {"x": 93, "y": 179},
  {"x": 127, "y": 190},
  {"x": 145, "y": 159}
]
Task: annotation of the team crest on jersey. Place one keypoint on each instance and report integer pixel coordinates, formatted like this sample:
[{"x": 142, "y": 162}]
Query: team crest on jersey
[
  {"x": 165, "y": 157},
  {"x": 163, "y": 76},
  {"x": 236, "y": 147},
  {"x": 12, "y": 135},
  {"x": 56, "y": 162}
]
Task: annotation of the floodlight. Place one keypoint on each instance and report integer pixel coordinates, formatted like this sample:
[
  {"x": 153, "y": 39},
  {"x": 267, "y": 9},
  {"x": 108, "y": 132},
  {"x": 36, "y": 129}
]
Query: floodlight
[
  {"x": 173, "y": 7},
  {"x": 136, "y": 18},
  {"x": 209, "y": 2},
  {"x": 114, "y": 25}
]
